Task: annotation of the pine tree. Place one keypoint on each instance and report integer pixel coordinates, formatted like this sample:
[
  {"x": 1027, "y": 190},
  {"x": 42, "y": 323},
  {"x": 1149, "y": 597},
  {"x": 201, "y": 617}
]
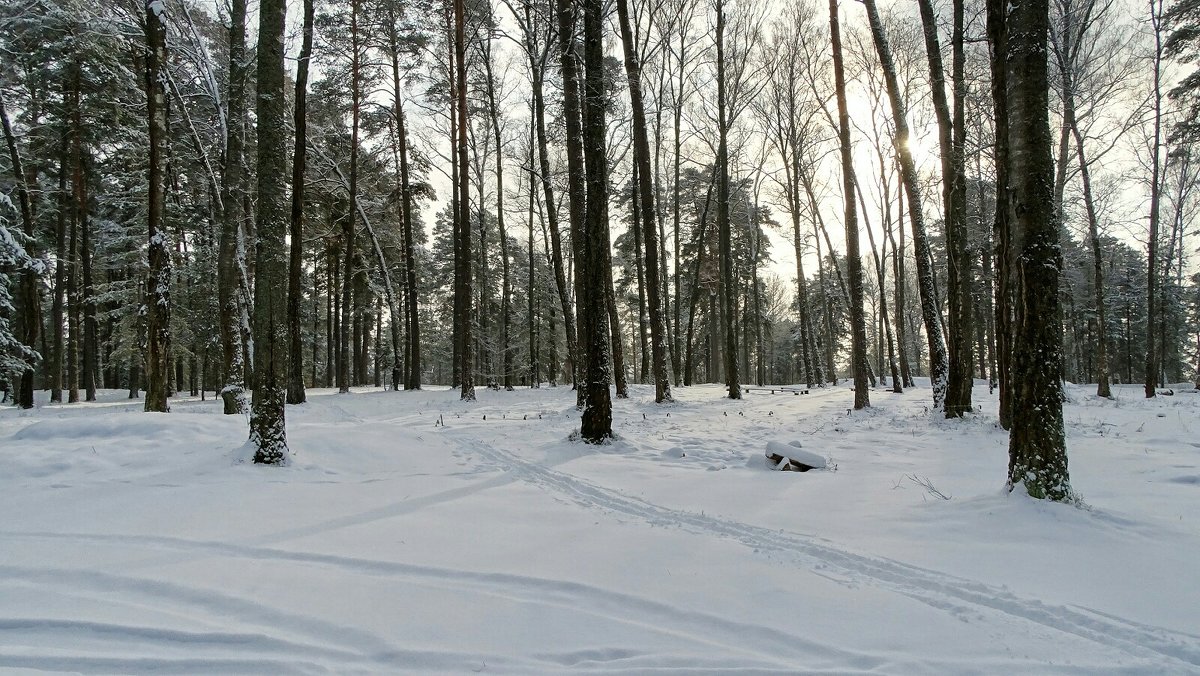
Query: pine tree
[
  {"x": 595, "y": 269},
  {"x": 232, "y": 281},
  {"x": 158, "y": 281},
  {"x": 295, "y": 388},
  {"x": 267, "y": 428}
]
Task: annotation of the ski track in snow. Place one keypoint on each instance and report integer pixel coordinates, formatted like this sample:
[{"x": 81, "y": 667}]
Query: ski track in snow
[
  {"x": 266, "y": 639},
  {"x": 959, "y": 596},
  {"x": 773, "y": 647}
]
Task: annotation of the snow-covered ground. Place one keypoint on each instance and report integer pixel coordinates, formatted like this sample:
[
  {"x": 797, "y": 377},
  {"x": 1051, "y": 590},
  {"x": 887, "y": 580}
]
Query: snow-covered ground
[{"x": 414, "y": 532}]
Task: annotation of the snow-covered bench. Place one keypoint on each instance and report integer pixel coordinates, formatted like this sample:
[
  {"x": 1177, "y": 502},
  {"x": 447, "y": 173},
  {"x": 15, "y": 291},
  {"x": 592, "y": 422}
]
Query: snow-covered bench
[
  {"x": 773, "y": 390},
  {"x": 790, "y": 457}
]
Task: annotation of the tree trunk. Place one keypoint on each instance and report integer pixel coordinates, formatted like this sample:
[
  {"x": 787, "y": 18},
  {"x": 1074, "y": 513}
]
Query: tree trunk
[
  {"x": 332, "y": 311},
  {"x": 267, "y": 427},
  {"x": 997, "y": 32},
  {"x": 560, "y": 278},
  {"x": 724, "y": 236},
  {"x": 1037, "y": 442},
  {"x": 938, "y": 359},
  {"x": 346, "y": 364},
  {"x": 506, "y": 353},
  {"x": 231, "y": 265},
  {"x": 899, "y": 282},
  {"x": 641, "y": 148},
  {"x": 958, "y": 376},
  {"x": 576, "y": 184},
  {"x": 87, "y": 290},
  {"x": 595, "y": 269},
  {"x": 158, "y": 280},
  {"x": 30, "y": 316},
  {"x": 531, "y": 289},
  {"x": 73, "y": 314},
  {"x": 858, "y": 329},
  {"x": 1152, "y": 310},
  {"x": 1102, "y": 382},
  {"x": 57, "y": 359},
  {"x": 677, "y": 127},
  {"x": 642, "y": 374},
  {"x": 880, "y": 271},
  {"x": 463, "y": 260},
  {"x": 456, "y": 337},
  {"x": 295, "y": 387},
  {"x": 689, "y": 365},
  {"x": 411, "y": 371},
  {"x": 413, "y": 347}
]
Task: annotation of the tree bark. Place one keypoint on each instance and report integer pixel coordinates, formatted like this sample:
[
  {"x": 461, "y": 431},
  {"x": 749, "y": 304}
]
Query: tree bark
[
  {"x": 295, "y": 388},
  {"x": 950, "y": 143},
  {"x": 858, "y": 329},
  {"x": 58, "y": 349},
  {"x": 1037, "y": 441},
  {"x": 724, "y": 235},
  {"x": 938, "y": 359},
  {"x": 87, "y": 288},
  {"x": 158, "y": 280},
  {"x": 556, "y": 249},
  {"x": 649, "y": 214},
  {"x": 408, "y": 372},
  {"x": 1005, "y": 264},
  {"x": 505, "y": 273},
  {"x": 231, "y": 248},
  {"x": 1103, "y": 388},
  {"x": 463, "y": 260},
  {"x": 576, "y": 184},
  {"x": 596, "y": 424},
  {"x": 1152, "y": 309},
  {"x": 346, "y": 367},
  {"x": 880, "y": 271},
  {"x": 267, "y": 425},
  {"x": 30, "y": 304}
]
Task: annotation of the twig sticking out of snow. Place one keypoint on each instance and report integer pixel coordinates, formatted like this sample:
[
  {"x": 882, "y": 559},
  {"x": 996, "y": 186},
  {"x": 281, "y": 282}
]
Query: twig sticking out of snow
[{"x": 924, "y": 482}]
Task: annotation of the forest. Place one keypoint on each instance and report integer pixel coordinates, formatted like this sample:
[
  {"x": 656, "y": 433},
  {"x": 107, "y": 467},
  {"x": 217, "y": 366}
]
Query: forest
[{"x": 244, "y": 202}]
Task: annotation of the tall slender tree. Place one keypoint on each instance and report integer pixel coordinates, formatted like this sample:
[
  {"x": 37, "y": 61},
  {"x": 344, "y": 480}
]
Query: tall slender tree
[
  {"x": 951, "y": 144},
  {"x": 1037, "y": 440},
  {"x": 462, "y": 268},
  {"x": 30, "y": 316},
  {"x": 649, "y": 213},
  {"x": 1156, "y": 101},
  {"x": 231, "y": 264},
  {"x": 267, "y": 425},
  {"x": 295, "y": 388},
  {"x": 158, "y": 280},
  {"x": 576, "y": 182},
  {"x": 724, "y": 235},
  {"x": 930, "y": 314},
  {"x": 349, "y": 276},
  {"x": 596, "y": 271},
  {"x": 858, "y": 329}
]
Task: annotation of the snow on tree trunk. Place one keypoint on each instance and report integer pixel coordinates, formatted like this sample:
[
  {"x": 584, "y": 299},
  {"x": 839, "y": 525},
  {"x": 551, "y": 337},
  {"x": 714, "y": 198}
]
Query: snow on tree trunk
[
  {"x": 267, "y": 427},
  {"x": 158, "y": 280},
  {"x": 938, "y": 360},
  {"x": 1037, "y": 441},
  {"x": 649, "y": 212},
  {"x": 858, "y": 329},
  {"x": 231, "y": 263},
  {"x": 597, "y": 274}
]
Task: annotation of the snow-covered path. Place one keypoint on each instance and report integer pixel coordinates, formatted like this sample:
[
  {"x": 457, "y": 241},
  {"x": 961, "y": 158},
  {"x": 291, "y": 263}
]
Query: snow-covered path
[{"x": 414, "y": 532}]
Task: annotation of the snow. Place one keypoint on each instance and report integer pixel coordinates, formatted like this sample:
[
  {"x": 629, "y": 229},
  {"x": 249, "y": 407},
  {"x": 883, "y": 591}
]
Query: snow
[
  {"x": 793, "y": 450},
  {"x": 411, "y": 534}
]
